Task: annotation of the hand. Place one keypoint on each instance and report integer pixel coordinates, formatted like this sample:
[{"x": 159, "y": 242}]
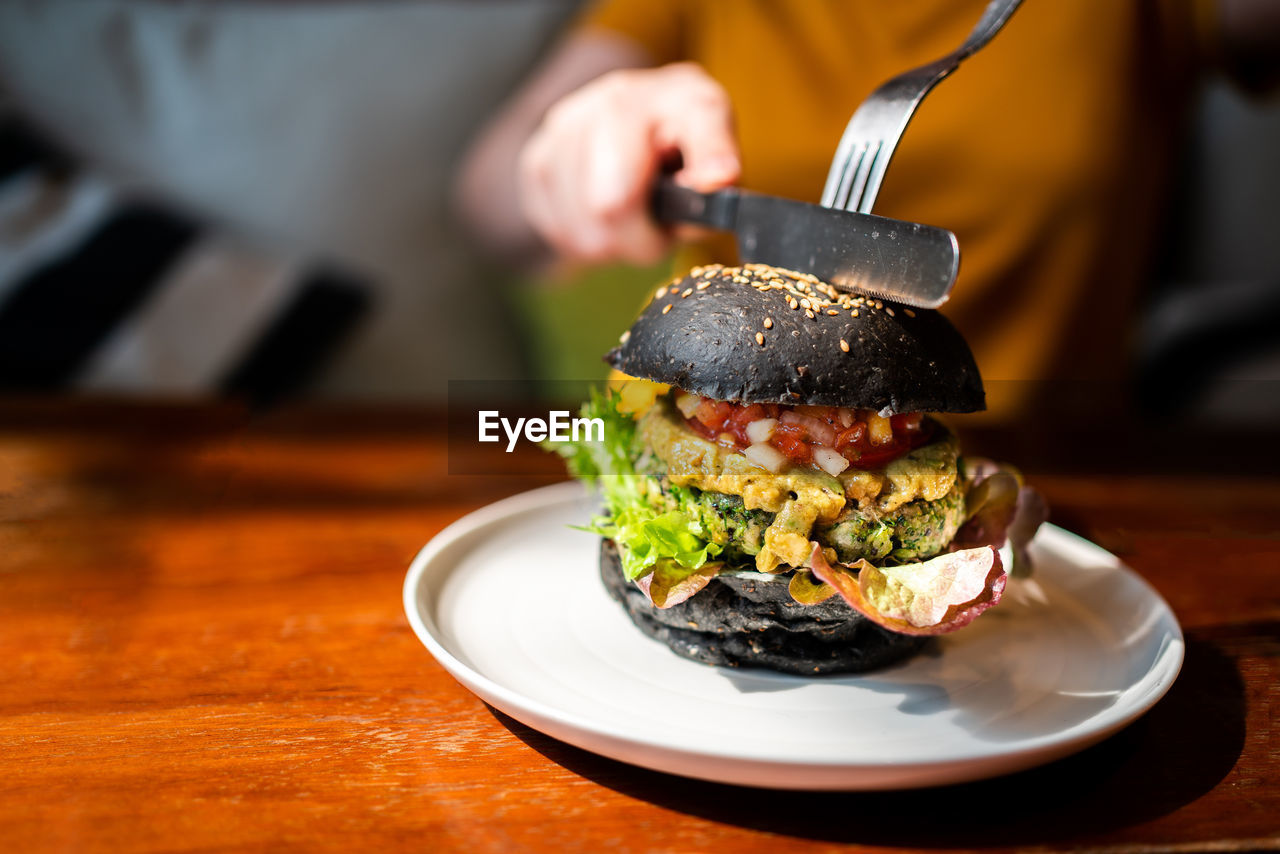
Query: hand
[{"x": 585, "y": 175}]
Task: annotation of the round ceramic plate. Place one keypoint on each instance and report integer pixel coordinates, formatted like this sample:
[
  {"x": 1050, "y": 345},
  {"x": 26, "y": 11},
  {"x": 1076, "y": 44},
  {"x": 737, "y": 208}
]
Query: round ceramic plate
[{"x": 509, "y": 600}]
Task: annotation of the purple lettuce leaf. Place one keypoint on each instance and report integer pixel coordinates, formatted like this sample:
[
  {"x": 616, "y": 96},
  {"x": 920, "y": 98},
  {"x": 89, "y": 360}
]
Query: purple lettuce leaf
[
  {"x": 1000, "y": 509},
  {"x": 933, "y": 597},
  {"x": 670, "y": 583}
]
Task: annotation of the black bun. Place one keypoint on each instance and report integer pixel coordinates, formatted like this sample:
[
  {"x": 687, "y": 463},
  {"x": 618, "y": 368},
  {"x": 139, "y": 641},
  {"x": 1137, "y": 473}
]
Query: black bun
[
  {"x": 704, "y": 334},
  {"x": 736, "y": 622}
]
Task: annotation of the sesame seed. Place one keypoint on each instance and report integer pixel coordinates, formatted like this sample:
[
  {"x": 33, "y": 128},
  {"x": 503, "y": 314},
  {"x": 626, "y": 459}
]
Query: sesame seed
[
  {"x": 844, "y": 345},
  {"x": 760, "y": 338},
  {"x": 702, "y": 286},
  {"x": 808, "y": 314},
  {"x": 768, "y": 323},
  {"x": 832, "y": 312},
  {"x": 666, "y": 308},
  {"x": 662, "y": 290},
  {"x": 675, "y": 289},
  {"x": 890, "y": 311},
  {"x": 806, "y": 303},
  {"x": 791, "y": 301},
  {"x": 909, "y": 312},
  {"x": 625, "y": 337},
  {"x": 686, "y": 292},
  {"x": 854, "y": 312}
]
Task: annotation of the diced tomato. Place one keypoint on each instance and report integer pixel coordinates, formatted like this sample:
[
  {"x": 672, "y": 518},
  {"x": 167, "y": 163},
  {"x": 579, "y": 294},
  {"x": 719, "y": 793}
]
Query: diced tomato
[
  {"x": 788, "y": 439},
  {"x": 874, "y": 456},
  {"x": 906, "y": 422},
  {"x": 714, "y": 413},
  {"x": 701, "y": 429},
  {"x": 851, "y": 438},
  {"x": 746, "y": 414}
]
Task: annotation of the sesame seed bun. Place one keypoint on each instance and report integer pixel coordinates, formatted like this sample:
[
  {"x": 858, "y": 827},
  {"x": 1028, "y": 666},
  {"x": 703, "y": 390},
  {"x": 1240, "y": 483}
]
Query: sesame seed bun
[{"x": 760, "y": 334}]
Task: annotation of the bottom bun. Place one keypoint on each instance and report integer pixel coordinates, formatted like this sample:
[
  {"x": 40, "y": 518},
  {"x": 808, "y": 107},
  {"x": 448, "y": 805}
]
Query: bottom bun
[{"x": 749, "y": 621}]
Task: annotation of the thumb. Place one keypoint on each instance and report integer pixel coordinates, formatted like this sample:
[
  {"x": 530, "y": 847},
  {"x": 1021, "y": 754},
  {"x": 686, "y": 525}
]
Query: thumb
[
  {"x": 707, "y": 165},
  {"x": 701, "y": 127},
  {"x": 709, "y": 152}
]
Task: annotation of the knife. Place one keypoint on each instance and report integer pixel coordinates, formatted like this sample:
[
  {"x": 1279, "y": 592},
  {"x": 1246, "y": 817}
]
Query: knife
[{"x": 890, "y": 259}]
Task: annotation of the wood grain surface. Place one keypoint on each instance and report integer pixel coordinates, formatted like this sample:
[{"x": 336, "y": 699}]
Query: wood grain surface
[{"x": 202, "y": 648}]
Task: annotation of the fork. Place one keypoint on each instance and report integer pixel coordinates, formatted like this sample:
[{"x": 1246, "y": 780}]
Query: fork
[{"x": 872, "y": 134}]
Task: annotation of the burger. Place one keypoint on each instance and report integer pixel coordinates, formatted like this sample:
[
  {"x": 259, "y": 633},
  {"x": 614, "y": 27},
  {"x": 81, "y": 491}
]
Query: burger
[{"x": 777, "y": 491}]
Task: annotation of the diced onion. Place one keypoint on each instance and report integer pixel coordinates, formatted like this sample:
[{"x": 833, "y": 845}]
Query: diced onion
[
  {"x": 766, "y": 456},
  {"x": 847, "y": 417},
  {"x": 818, "y": 430},
  {"x": 761, "y": 430},
  {"x": 687, "y": 403},
  {"x": 879, "y": 430},
  {"x": 830, "y": 460}
]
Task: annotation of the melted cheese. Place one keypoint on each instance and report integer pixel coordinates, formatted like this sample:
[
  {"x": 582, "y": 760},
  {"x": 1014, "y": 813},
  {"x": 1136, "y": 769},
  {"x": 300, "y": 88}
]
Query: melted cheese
[{"x": 928, "y": 472}]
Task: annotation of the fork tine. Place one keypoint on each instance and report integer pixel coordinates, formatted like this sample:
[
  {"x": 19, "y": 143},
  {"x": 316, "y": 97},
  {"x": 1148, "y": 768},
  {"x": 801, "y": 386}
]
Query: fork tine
[
  {"x": 850, "y": 173},
  {"x": 850, "y": 151},
  {"x": 871, "y": 187},
  {"x": 846, "y": 150},
  {"x": 858, "y": 187}
]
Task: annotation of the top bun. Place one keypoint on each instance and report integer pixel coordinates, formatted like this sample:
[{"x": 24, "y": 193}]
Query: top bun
[{"x": 761, "y": 334}]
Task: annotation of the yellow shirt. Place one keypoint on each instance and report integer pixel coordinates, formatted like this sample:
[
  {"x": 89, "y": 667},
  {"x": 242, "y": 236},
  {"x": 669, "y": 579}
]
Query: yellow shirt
[{"x": 1047, "y": 152}]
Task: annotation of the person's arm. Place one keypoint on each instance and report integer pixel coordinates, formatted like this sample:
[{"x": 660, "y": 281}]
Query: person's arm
[{"x": 566, "y": 168}]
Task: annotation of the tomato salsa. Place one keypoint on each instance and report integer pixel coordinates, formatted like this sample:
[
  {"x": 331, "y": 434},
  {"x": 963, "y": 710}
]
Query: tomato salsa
[{"x": 805, "y": 435}]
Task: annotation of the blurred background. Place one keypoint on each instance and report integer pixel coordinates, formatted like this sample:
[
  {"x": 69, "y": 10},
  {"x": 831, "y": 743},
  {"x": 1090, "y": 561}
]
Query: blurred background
[{"x": 283, "y": 170}]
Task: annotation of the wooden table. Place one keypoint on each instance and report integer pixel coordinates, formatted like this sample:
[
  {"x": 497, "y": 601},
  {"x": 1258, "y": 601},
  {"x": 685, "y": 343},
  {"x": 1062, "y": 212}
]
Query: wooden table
[{"x": 202, "y": 648}]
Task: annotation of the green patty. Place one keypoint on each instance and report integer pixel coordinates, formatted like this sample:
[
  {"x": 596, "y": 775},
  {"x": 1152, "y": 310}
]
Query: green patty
[{"x": 915, "y": 531}]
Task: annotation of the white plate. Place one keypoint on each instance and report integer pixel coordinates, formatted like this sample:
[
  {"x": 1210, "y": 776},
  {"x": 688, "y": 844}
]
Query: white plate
[{"x": 509, "y": 600}]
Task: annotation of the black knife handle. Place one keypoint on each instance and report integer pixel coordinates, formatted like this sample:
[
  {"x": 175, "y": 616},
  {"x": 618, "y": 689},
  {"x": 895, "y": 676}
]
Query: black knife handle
[{"x": 673, "y": 203}]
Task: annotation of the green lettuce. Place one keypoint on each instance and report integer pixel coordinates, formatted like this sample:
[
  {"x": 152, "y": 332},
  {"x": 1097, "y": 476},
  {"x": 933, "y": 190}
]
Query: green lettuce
[
  {"x": 649, "y": 538},
  {"x": 649, "y": 535},
  {"x": 613, "y": 454}
]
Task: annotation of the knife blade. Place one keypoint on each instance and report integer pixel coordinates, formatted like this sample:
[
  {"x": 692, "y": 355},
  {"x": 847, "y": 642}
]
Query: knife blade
[{"x": 891, "y": 259}]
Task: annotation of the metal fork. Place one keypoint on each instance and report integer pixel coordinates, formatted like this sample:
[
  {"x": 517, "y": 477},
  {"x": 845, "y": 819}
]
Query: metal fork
[{"x": 872, "y": 134}]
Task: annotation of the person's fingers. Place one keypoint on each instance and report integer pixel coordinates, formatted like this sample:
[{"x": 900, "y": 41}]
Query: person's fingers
[
  {"x": 585, "y": 157},
  {"x": 620, "y": 164},
  {"x": 586, "y": 175},
  {"x": 592, "y": 200},
  {"x": 552, "y": 185},
  {"x": 695, "y": 117},
  {"x": 641, "y": 242}
]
